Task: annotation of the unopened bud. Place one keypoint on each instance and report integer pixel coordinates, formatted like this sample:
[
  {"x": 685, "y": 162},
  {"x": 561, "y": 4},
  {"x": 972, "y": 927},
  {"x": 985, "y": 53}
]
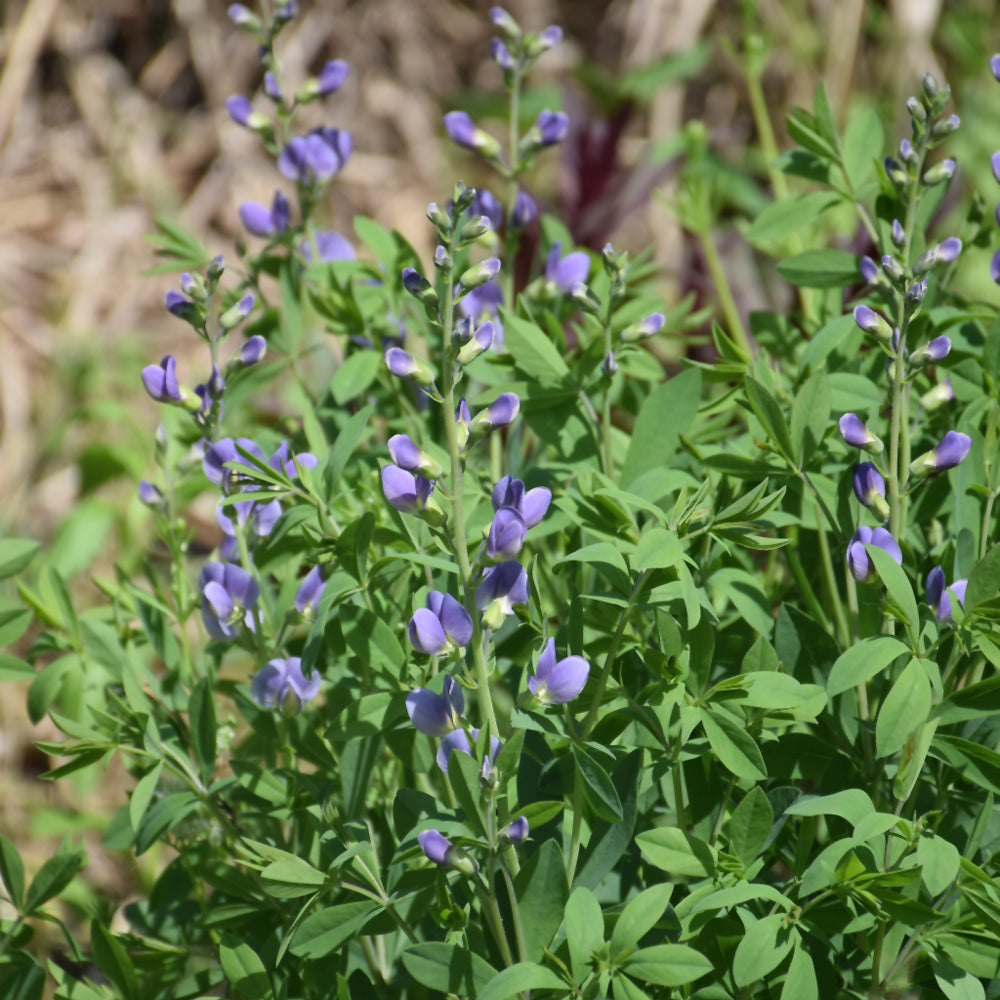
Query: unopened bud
[
  {"x": 939, "y": 173},
  {"x": 235, "y": 314},
  {"x": 480, "y": 273}
]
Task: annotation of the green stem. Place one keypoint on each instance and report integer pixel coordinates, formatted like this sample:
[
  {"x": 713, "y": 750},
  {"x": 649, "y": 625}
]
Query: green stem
[
  {"x": 574, "y": 846},
  {"x": 721, "y": 284}
]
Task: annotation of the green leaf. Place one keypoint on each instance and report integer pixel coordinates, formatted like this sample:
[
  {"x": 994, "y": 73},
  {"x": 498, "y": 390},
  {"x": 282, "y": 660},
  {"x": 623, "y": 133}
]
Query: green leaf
[
  {"x": 896, "y": 582},
  {"x": 584, "y": 931},
  {"x": 750, "y": 825},
  {"x": 904, "y": 709},
  {"x": 533, "y": 350},
  {"x": 862, "y": 662},
  {"x": 800, "y": 980},
  {"x": 347, "y": 440},
  {"x": 54, "y": 876},
  {"x": 326, "y": 930},
  {"x": 517, "y": 979},
  {"x": 354, "y": 376},
  {"x": 810, "y": 415},
  {"x": 939, "y": 862},
  {"x": 667, "y": 965},
  {"x": 762, "y": 949},
  {"x": 658, "y": 548},
  {"x": 984, "y": 580},
  {"x": 21, "y": 977},
  {"x": 142, "y": 794},
  {"x": 13, "y": 669},
  {"x": 201, "y": 713},
  {"x": 371, "y": 640},
  {"x": 244, "y": 969},
  {"x": 290, "y": 878},
  {"x": 863, "y": 142},
  {"x": 676, "y": 852},
  {"x": 542, "y": 890},
  {"x": 789, "y": 217},
  {"x": 11, "y": 871},
  {"x": 851, "y": 804},
  {"x": 597, "y": 787},
  {"x": 821, "y": 269},
  {"x": 163, "y": 816},
  {"x": 113, "y": 960},
  {"x": 448, "y": 968},
  {"x": 733, "y": 745},
  {"x": 377, "y": 239},
  {"x": 463, "y": 773},
  {"x": 956, "y": 983},
  {"x": 666, "y": 414},
  {"x": 14, "y": 621},
  {"x": 765, "y": 408},
  {"x": 640, "y": 916},
  {"x": 15, "y": 554}
]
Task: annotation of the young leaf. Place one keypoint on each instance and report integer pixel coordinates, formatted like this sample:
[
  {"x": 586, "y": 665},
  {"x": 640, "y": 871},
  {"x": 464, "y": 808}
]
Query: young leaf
[{"x": 750, "y": 825}]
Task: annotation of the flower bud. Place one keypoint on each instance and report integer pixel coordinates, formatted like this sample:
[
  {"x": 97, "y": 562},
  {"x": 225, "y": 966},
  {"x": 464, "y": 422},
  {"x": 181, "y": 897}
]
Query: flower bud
[
  {"x": 937, "y": 397},
  {"x": 897, "y": 235},
  {"x": 585, "y": 298},
  {"x": 645, "y": 328},
  {"x": 871, "y": 322},
  {"x": 869, "y": 271},
  {"x": 893, "y": 269},
  {"x": 215, "y": 270},
  {"x": 499, "y": 413},
  {"x": 995, "y": 67},
  {"x": 472, "y": 229},
  {"x": 252, "y": 351},
  {"x": 915, "y": 294},
  {"x": 869, "y": 488},
  {"x": 408, "y": 456},
  {"x": 419, "y": 287},
  {"x": 463, "y": 131},
  {"x": 945, "y": 127},
  {"x": 949, "y": 250},
  {"x": 331, "y": 78},
  {"x": 407, "y": 367},
  {"x": 442, "y": 259},
  {"x": 151, "y": 496},
  {"x": 929, "y": 86},
  {"x": 895, "y": 172},
  {"x": 924, "y": 263},
  {"x": 516, "y": 832},
  {"x": 438, "y": 217},
  {"x": 906, "y": 152},
  {"x": 917, "y": 111},
  {"x": 272, "y": 88},
  {"x": 505, "y": 24},
  {"x": 480, "y": 273},
  {"x": 936, "y": 350},
  {"x": 854, "y": 433},
  {"x": 500, "y": 54},
  {"x": 609, "y": 365},
  {"x": 235, "y": 314},
  {"x": 242, "y": 17},
  {"x": 525, "y": 211},
  {"x": 950, "y": 452},
  {"x": 193, "y": 285},
  {"x": 480, "y": 342},
  {"x": 939, "y": 173}
]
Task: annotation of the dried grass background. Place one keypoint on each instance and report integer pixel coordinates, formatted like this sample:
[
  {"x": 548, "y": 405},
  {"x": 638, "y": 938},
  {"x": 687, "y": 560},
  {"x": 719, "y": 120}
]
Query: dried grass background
[{"x": 111, "y": 111}]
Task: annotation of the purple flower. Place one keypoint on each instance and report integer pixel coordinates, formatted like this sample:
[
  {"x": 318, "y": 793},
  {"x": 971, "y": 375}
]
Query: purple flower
[
  {"x": 552, "y": 127},
  {"x": 484, "y": 204},
  {"x": 870, "y": 321},
  {"x": 405, "y": 366},
  {"x": 938, "y": 596},
  {"x": 260, "y": 518},
  {"x": 331, "y": 77},
  {"x": 556, "y": 683},
  {"x": 282, "y": 461},
  {"x": 281, "y": 684},
  {"x": 937, "y": 350},
  {"x": 854, "y": 433},
  {"x": 484, "y": 301},
  {"x": 525, "y": 211},
  {"x": 408, "y": 456},
  {"x": 532, "y": 505},
  {"x": 943, "y": 171},
  {"x": 857, "y": 557},
  {"x": 869, "y": 270},
  {"x": 263, "y": 221},
  {"x": 647, "y": 327},
  {"x": 995, "y": 67},
  {"x": 516, "y": 832},
  {"x": 272, "y": 88},
  {"x": 463, "y": 742},
  {"x": 241, "y": 16},
  {"x": 951, "y": 451},
  {"x": 222, "y": 451},
  {"x": 499, "y": 413},
  {"x": 507, "y": 534},
  {"x": 404, "y": 491},
  {"x": 332, "y": 246},
  {"x": 180, "y": 306},
  {"x": 441, "y": 627},
  {"x": 500, "y": 589},
  {"x": 310, "y": 592},
  {"x": 551, "y": 36},
  {"x": 227, "y": 594},
  {"x": 436, "y": 714},
  {"x": 161, "y": 381},
  {"x": 564, "y": 272},
  {"x": 479, "y": 342},
  {"x": 436, "y": 847},
  {"x": 501, "y": 54},
  {"x": 236, "y": 313},
  {"x": 251, "y": 352},
  {"x": 869, "y": 488},
  {"x": 949, "y": 249},
  {"x": 239, "y": 109},
  {"x": 316, "y": 157},
  {"x": 460, "y": 128},
  {"x": 150, "y": 495}
]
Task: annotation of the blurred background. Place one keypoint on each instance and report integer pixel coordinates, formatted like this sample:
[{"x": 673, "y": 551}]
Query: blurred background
[{"x": 111, "y": 113}]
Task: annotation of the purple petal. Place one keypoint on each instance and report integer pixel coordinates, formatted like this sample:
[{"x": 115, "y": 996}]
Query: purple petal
[
  {"x": 887, "y": 543},
  {"x": 239, "y": 109},
  {"x": 256, "y": 218},
  {"x": 517, "y": 832},
  {"x": 566, "y": 680},
  {"x": 458, "y": 740},
  {"x": 426, "y": 633},
  {"x": 332, "y": 76},
  {"x": 460, "y": 128},
  {"x": 310, "y": 591},
  {"x": 436, "y": 846},
  {"x": 430, "y": 713},
  {"x": 995, "y": 262},
  {"x": 546, "y": 661},
  {"x": 853, "y": 431},
  {"x": 400, "y": 488},
  {"x": 535, "y": 505},
  {"x": 952, "y": 450},
  {"x": 453, "y": 617},
  {"x": 266, "y": 685},
  {"x": 934, "y": 587},
  {"x": 404, "y": 452},
  {"x": 507, "y": 534}
]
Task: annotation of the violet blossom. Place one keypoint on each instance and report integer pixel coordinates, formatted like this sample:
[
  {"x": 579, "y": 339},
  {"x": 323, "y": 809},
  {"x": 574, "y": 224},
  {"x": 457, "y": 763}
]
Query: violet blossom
[
  {"x": 858, "y": 559},
  {"x": 263, "y": 221},
  {"x": 228, "y": 593},
  {"x": 281, "y": 684},
  {"x": 436, "y": 714},
  {"x": 950, "y": 452},
  {"x": 939, "y": 596},
  {"x": 556, "y": 683},
  {"x": 440, "y": 628},
  {"x": 316, "y": 157}
]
